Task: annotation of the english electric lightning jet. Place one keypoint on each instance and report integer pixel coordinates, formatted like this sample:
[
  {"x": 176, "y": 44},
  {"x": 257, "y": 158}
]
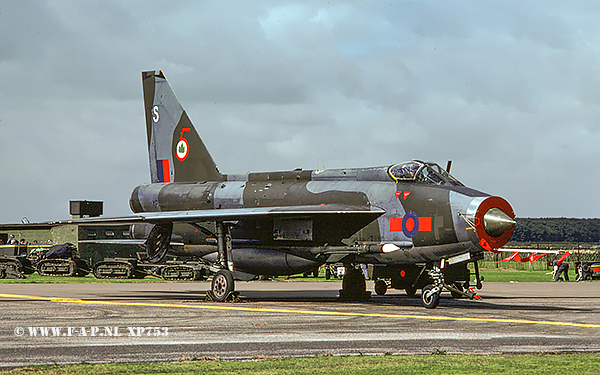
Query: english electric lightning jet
[{"x": 412, "y": 223}]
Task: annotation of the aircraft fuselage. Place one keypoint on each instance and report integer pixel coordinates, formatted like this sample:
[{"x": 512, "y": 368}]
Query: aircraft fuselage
[{"x": 426, "y": 221}]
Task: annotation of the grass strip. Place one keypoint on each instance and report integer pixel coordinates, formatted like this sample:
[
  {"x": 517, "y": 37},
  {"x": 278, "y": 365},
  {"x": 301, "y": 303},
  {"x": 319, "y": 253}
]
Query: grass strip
[{"x": 322, "y": 363}]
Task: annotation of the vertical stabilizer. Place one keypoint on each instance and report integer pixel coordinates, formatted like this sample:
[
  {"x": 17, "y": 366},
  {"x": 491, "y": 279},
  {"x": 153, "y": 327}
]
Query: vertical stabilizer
[{"x": 177, "y": 154}]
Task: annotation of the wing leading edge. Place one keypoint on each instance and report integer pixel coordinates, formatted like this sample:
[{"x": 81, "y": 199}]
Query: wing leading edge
[{"x": 191, "y": 216}]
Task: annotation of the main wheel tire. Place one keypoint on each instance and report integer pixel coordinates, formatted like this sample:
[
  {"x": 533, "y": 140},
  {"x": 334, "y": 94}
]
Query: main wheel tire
[
  {"x": 222, "y": 284},
  {"x": 430, "y": 300},
  {"x": 380, "y": 287}
]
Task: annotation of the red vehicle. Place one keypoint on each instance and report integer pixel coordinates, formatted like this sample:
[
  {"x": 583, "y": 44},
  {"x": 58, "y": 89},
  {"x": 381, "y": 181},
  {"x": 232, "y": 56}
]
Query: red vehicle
[{"x": 587, "y": 270}]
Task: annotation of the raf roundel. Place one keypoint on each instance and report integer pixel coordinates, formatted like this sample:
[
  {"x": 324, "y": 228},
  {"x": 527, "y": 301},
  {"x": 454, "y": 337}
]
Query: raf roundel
[{"x": 410, "y": 224}]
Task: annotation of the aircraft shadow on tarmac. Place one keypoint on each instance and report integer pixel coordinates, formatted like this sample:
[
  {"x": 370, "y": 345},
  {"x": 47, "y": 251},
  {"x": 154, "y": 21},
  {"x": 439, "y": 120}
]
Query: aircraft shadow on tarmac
[
  {"x": 328, "y": 297},
  {"x": 466, "y": 304}
]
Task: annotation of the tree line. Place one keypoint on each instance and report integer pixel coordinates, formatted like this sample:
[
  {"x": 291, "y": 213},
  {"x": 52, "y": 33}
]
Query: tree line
[{"x": 556, "y": 230}]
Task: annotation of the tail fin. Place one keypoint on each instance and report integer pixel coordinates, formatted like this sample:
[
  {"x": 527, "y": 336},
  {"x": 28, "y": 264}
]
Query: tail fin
[{"x": 177, "y": 154}]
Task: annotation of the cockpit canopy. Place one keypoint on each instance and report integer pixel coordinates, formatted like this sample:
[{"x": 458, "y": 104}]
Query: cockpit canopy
[{"x": 424, "y": 172}]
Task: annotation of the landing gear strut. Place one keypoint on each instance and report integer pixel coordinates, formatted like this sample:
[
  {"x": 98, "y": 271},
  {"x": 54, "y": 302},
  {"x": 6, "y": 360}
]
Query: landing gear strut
[
  {"x": 431, "y": 293},
  {"x": 223, "y": 286}
]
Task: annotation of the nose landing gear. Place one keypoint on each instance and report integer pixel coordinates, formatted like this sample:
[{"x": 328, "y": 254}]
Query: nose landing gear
[{"x": 431, "y": 293}]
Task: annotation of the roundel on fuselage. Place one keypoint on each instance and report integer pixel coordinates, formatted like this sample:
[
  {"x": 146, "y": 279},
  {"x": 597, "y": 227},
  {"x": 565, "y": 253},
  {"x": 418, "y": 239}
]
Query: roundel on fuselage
[{"x": 410, "y": 224}]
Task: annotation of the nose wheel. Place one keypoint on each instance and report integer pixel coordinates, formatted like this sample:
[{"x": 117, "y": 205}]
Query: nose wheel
[{"x": 431, "y": 296}]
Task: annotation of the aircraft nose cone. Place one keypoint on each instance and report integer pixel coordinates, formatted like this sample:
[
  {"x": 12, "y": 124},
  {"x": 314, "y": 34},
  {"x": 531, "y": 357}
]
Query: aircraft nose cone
[{"x": 496, "y": 222}]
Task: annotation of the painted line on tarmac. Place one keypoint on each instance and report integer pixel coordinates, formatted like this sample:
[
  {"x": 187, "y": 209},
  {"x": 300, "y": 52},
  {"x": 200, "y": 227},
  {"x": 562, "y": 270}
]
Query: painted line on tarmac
[{"x": 288, "y": 311}]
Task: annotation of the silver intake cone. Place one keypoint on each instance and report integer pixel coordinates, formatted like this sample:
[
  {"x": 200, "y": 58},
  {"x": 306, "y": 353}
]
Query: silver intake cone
[{"x": 496, "y": 222}]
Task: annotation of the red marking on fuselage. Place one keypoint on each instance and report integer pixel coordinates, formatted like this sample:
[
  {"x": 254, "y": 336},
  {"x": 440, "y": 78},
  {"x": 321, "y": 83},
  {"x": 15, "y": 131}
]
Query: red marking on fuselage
[
  {"x": 483, "y": 243},
  {"x": 424, "y": 224},
  {"x": 396, "y": 224},
  {"x": 410, "y": 224},
  {"x": 404, "y": 194}
]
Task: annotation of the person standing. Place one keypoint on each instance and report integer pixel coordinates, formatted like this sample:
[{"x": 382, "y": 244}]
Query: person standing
[{"x": 563, "y": 268}]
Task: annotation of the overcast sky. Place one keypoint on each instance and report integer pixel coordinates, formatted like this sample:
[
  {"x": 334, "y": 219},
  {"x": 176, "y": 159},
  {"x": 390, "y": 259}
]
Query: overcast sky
[{"x": 509, "y": 90}]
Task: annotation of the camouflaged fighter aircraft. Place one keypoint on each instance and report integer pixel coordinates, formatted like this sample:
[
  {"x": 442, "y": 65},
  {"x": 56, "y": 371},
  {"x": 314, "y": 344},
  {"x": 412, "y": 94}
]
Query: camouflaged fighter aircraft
[{"x": 412, "y": 223}]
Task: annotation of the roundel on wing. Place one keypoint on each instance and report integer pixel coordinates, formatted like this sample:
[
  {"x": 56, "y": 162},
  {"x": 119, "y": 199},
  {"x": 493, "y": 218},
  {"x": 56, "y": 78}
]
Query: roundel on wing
[{"x": 410, "y": 224}]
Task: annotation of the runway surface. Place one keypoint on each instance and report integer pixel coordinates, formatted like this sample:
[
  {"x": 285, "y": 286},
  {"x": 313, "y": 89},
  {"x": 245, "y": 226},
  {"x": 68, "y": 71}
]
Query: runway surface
[{"x": 148, "y": 322}]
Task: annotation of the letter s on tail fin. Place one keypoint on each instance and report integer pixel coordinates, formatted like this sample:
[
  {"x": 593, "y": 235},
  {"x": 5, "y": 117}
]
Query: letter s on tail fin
[{"x": 177, "y": 154}]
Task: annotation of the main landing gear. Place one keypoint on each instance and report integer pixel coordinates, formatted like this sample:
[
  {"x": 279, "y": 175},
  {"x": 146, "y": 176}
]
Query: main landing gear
[{"x": 223, "y": 286}]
